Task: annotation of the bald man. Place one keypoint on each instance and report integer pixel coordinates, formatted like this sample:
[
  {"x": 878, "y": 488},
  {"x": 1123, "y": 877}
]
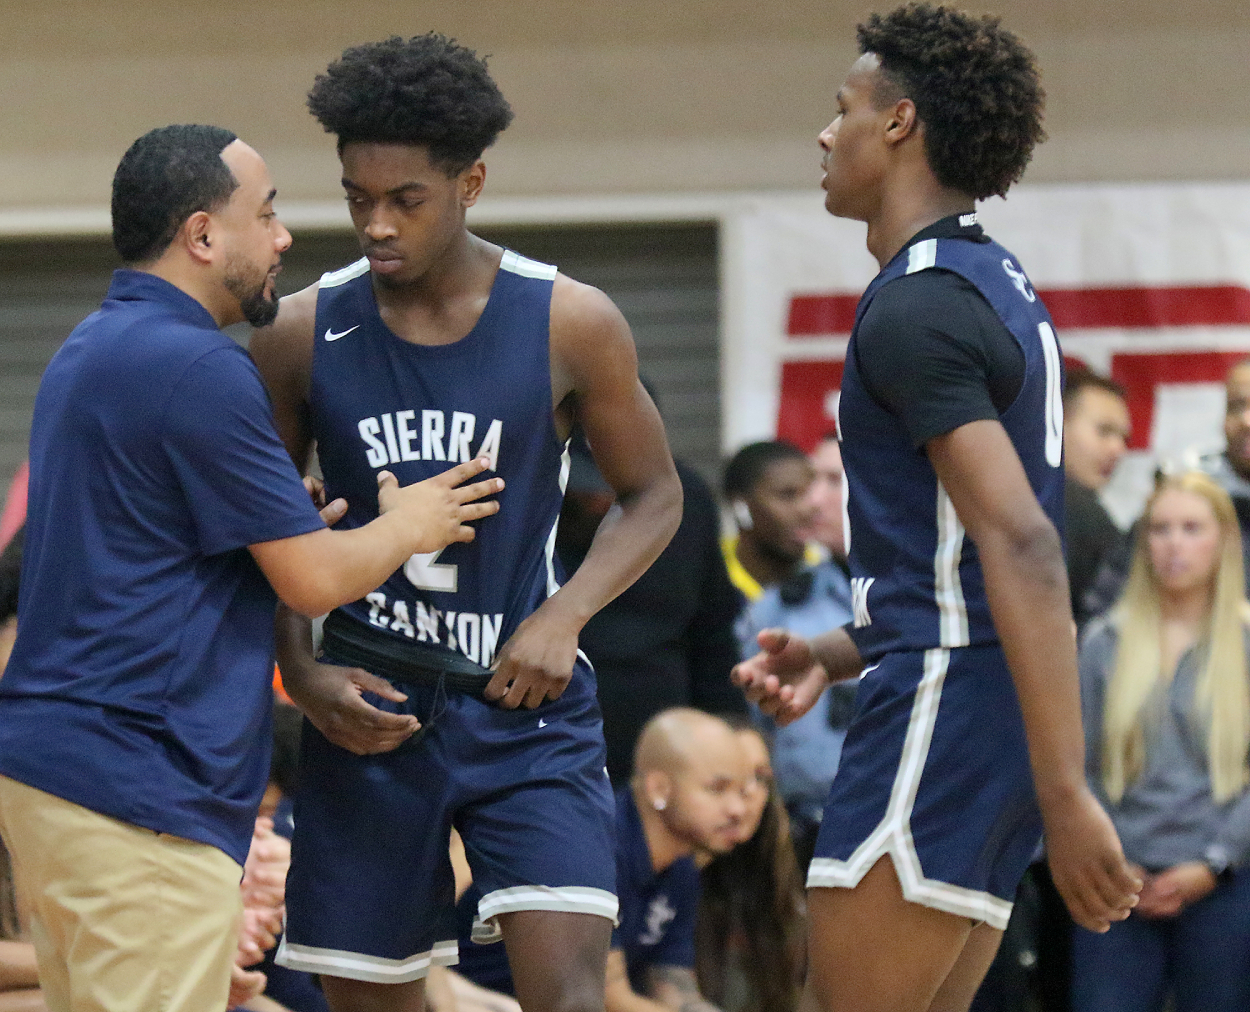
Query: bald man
[{"x": 686, "y": 796}]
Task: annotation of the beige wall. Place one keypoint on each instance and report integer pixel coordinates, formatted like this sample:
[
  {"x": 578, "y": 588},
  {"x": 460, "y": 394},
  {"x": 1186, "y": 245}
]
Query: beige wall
[{"x": 611, "y": 96}]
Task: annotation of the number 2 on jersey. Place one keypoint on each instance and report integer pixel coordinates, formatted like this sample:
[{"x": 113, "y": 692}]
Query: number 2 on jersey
[{"x": 424, "y": 573}]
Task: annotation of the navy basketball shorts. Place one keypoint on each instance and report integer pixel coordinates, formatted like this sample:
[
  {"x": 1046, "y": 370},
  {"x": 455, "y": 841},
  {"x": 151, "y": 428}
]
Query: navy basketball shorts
[
  {"x": 935, "y": 773},
  {"x": 371, "y": 895}
]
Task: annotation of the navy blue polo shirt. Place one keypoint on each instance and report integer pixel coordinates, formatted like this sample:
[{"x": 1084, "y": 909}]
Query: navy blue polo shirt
[
  {"x": 658, "y": 909},
  {"x": 139, "y": 685}
]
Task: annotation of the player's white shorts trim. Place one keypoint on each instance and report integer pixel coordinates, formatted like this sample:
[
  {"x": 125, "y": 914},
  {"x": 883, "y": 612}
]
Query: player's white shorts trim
[
  {"x": 355, "y": 966},
  {"x": 893, "y": 834},
  {"x": 568, "y": 899}
]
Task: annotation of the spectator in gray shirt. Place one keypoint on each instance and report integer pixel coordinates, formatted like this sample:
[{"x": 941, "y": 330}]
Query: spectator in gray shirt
[{"x": 1166, "y": 698}]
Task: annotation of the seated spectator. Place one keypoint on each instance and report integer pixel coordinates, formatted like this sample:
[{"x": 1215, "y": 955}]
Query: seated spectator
[
  {"x": 688, "y": 795},
  {"x": 10, "y": 573},
  {"x": 766, "y": 485},
  {"x": 1166, "y": 698},
  {"x": 1231, "y": 468},
  {"x": 264, "y": 876},
  {"x": 19, "y": 973},
  {"x": 1095, "y": 437},
  {"x": 749, "y": 952},
  {"x": 802, "y": 592},
  {"x": 667, "y": 640},
  {"x": 828, "y": 498}
]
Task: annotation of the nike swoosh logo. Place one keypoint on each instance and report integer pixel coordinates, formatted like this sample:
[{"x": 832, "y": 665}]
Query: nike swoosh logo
[
  {"x": 541, "y": 722},
  {"x": 332, "y": 336}
]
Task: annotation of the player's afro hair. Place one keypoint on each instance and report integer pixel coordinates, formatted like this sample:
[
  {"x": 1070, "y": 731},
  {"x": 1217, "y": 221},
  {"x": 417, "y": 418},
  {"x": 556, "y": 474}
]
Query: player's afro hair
[
  {"x": 427, "y": 91},
  {"x": 976, "y": 89}
]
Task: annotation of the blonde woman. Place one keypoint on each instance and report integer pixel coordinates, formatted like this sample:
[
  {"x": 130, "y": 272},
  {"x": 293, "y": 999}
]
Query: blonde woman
[{"x": 1166, "y": 699}]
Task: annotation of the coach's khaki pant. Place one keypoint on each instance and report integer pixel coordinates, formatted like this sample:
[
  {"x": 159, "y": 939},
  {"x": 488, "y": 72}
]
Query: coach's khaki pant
[{"x": 123, "y": 919}]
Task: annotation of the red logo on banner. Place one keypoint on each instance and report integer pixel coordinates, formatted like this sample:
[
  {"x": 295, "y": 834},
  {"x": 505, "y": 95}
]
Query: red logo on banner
[{"x": 809, "y": 389}]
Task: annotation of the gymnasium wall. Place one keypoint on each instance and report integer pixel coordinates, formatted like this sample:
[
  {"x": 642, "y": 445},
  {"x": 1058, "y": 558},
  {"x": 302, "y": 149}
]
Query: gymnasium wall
[{"x": 632, "y": 96}]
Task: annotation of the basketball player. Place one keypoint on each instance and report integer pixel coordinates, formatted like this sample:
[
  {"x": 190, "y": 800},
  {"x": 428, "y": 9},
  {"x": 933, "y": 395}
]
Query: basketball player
[
  {"x": 951, "y": 428},
  {"x": 438, "y": 346}
]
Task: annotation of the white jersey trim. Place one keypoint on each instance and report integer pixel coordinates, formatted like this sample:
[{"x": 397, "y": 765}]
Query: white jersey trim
[
  {"x": 345, "y": 274},
  {"x": 922, "y": 256},
  {"x": 948, "y": 589},
  {"x": 357, "y": 966},
  {"x": 567, "y": 899},
  {"x": 527, "y": 268},
  {"x": 893, "y": 834},
  {"x": 566, "y": 461}
]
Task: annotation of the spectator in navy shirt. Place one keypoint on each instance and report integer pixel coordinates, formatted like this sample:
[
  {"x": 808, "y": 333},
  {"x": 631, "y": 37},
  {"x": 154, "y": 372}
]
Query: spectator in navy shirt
[
  {"x": 688, "y": 795},
  {"x": 163, "y": 515}
]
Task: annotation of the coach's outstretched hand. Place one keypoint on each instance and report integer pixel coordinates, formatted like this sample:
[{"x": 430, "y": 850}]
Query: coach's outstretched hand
[
  {"x": 1086, "y": 861},
  {"x": 439, "y": 509},
  {"x": 785, "y": 679}
]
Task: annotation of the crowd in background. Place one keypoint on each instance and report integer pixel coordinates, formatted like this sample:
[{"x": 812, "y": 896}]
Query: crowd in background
[{"x": 717, "y": 816}]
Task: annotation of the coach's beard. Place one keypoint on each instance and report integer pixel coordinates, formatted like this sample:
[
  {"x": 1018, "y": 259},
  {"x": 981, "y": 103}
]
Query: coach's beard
[{"x": 258, "y": 308}]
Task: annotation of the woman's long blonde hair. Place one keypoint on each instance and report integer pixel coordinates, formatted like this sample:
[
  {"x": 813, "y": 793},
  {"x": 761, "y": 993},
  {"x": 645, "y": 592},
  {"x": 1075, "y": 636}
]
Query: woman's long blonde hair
[{"x": 1223, "y": 688}]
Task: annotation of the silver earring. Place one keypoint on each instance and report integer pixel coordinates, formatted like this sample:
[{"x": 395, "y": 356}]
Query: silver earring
[{"x": 659, "y": 803}]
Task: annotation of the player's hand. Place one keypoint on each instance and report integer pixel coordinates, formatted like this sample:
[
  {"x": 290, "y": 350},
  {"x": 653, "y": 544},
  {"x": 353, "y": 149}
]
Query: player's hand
[
  {"x": 331, "y": 697},
  {"x": 244, "y": 985},
  {"x": 1169, "y": 892},
  {"x": 784, "y": 679},
  {"x": 535, "y": 664},
  {"x": 1086, "y": 861},
  {"x": 438, "y": 510}
]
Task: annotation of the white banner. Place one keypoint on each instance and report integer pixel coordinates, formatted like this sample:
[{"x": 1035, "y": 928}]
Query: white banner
[{"x": 1149, "y": 284}]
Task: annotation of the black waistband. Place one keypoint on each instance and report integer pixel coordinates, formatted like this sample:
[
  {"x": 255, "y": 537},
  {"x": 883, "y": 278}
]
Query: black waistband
[{"x": 346, "y": 642}]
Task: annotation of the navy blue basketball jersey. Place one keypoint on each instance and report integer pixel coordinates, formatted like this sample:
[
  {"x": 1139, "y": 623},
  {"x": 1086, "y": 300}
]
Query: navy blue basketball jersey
[
  {"x": 382, "y": 403},
  {"x": 916, "y": 579}
]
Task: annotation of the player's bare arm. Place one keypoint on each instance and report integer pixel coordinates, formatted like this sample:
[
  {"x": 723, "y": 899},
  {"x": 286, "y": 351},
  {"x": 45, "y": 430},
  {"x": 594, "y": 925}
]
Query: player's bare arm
[
  {"x": 1027, "y": 587},
  {"x": 594, "y": 372}
]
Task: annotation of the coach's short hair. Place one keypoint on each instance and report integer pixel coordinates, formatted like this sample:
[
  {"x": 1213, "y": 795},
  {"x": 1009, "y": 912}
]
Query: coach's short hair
[
  {"x": 427, "y": 91},
  {"x": 167, "y": 175},
  {"x": 746, "y": 467},
  {"x": 975, "y": 86}
]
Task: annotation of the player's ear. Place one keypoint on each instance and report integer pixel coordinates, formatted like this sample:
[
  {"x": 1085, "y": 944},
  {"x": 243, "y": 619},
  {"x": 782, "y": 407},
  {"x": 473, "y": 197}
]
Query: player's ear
[
  {"x": 901, "y": 122},
  {"x": 471, "y": 182}
]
